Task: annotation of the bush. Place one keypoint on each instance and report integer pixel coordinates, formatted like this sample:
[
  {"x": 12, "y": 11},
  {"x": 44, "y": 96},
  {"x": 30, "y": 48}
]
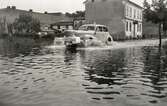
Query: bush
[{"x": 26, "y": 24}]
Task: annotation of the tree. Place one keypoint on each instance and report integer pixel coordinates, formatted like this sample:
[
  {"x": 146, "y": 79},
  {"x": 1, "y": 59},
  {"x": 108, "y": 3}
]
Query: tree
[
  {"x": 26, "y": 24},
  {"x": 76, "y": 14},
  {"x": 156, "y": 12}
]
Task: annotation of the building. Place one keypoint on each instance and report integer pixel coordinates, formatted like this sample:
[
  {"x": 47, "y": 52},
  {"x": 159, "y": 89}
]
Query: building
[
  {"x": 63, "y": 25},
  {"x": 11, "y": 13},
  {"x": 123, "y": 17}
]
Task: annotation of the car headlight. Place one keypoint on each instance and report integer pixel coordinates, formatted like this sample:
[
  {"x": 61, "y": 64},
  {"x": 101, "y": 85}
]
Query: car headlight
[
  {"x": 45, "y": 33},
  {"x": 39, "y": 33}
]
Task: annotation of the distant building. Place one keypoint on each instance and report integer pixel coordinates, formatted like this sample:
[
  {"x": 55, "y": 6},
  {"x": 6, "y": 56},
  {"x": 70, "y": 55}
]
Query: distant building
[
  {"x": 123, "y": 17},
  {"x": 46, "y": 19},
  {"x": 63, "y": 25}
]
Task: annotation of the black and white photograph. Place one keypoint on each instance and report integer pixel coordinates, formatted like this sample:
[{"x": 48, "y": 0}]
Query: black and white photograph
[{"x": 83, "y": 52}]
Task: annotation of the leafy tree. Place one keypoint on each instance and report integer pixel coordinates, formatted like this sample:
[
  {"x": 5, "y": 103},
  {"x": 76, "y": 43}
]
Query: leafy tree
[
  {"x": 76, "y": 14},
  {"x": 156, "y": 12},
  {"x": 26, "y": 24}
]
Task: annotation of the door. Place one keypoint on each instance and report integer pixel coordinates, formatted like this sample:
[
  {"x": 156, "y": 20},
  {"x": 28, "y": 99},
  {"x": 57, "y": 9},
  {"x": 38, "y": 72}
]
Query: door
[{"x": 134, "y": 31}]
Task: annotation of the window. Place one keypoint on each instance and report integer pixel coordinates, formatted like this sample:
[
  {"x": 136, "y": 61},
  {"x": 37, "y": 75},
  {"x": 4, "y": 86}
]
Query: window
[
  {"x": 99, "y": 29},
  {"x": 134, "y": 13},
  {"x": 105, "y": 29},
  {"x": 126, "y": 11},
  {"x": 140, "y": 27},
  {"x": 127, "y": 26},
  {"x": 141, "y": 15},
  {"x": 130, "y": 11},
  {"x": 93, "y": 0},
  {"x": 130, "y": 27},
  {"x": 138, "y": 14}
]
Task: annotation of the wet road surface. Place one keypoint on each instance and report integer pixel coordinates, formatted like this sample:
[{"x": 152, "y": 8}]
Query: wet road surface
[{"x": 34, "y": 73}]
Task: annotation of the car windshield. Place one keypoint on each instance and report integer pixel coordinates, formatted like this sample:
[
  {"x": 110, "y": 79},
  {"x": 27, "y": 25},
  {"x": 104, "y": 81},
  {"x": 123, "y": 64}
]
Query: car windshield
[
  {"x": 101, "y": 29},
  {"x": 87, "y": 28}
]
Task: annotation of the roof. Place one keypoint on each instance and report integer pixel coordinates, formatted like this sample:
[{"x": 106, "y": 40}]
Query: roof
[
  {"x": 63, "y": 23},
  {"x": 131, "y": 2},
  {"x": 94, "y": 25},
  {"x": 135, "y": 4},
  {"x": 85, "y": 1}
]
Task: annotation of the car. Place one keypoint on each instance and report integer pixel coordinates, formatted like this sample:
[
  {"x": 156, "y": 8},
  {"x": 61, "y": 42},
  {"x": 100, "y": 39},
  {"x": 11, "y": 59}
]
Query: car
[
  {"x": 90, "y": 35},
  {"x": 46, "y": 33},
  {"x": 71, "y": 41},
  {"x": 100, "y": 32}
]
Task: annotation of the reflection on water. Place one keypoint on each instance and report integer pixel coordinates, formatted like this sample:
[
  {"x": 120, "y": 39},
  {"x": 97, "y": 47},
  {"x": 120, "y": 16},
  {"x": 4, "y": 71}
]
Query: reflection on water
[{"x": 37, "y": 73}]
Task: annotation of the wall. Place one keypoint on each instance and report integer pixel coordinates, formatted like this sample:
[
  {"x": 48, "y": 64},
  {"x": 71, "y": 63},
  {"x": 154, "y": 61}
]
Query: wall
[
  {"x": 133, "y": 14},
  {"x": 107, "y": 12}
]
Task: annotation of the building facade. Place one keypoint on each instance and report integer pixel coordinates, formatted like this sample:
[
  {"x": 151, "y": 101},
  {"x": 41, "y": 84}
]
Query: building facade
[{"x": 123, "y": 17}]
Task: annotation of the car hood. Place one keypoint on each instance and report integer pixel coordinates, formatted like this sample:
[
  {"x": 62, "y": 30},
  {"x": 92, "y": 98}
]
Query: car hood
[{"x": 81, "y": 32}]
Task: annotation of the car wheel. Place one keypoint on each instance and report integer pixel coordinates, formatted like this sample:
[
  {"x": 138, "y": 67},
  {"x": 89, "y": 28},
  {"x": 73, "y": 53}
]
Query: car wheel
[{"x": 109, "y": 41}]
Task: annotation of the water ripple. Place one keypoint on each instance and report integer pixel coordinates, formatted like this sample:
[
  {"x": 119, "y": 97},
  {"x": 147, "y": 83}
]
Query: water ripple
[{"x": 38, "y": 73}]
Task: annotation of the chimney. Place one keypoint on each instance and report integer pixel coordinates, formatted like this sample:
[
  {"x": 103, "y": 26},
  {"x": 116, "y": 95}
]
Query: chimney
[
  {"x": 30, "y": 10},
  {"x": 13, "y": 7},
  {"x": 45, "y": 12}
]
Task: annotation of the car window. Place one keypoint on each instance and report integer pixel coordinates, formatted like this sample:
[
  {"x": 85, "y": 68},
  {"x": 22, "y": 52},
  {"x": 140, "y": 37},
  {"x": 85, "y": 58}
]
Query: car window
[
  {"x": 84, "y": 28},
  {"x": 90, "y": 28},
  {"x": 105, "y": 29},
  {"x": 99, "y": 29}
]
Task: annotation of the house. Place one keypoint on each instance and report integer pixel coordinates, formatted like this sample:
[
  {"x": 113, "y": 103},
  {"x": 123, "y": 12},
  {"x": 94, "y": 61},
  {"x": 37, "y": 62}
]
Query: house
[{"x": 123, "y": 17}]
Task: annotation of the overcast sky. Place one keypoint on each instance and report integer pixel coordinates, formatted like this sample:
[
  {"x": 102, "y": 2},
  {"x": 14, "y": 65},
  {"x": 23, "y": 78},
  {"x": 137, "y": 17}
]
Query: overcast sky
[{"x": 49, "y": 5}]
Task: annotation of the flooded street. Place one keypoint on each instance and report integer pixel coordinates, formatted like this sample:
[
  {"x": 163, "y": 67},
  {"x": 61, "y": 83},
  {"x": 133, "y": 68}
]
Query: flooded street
[{"x": 43, "y": 73}]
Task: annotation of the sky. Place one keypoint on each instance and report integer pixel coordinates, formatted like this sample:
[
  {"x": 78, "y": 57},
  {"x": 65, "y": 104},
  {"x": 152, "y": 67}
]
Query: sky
[{"x": 49, "y": 5}]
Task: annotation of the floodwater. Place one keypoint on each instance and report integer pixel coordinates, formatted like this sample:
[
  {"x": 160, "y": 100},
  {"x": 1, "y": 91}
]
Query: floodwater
[{"x": 44, "y": 73}]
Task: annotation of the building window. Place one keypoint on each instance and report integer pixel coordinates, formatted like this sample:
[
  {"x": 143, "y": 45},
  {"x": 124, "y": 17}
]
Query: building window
[
  {"x": 140, "y": 27},
  {"x": 138, "y": 15},
  {"x": 127, "y": 9},
  {"x": 141, "y": 15},
  {"x": 134, "y": 13},
  {"x": 130, "y": 11},
  {"x": 130, "y": 26},
  {"x": 93, "y": 0},
  {"x": 127, "y": 26}
]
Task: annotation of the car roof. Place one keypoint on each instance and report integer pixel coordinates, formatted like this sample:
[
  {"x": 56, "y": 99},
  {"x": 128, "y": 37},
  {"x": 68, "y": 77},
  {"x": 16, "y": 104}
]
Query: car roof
[{"x": 94, "y": 25}]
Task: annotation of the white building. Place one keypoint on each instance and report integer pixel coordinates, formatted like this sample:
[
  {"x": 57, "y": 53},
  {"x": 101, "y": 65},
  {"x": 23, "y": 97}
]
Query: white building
[{"x": 123, "y": 17}]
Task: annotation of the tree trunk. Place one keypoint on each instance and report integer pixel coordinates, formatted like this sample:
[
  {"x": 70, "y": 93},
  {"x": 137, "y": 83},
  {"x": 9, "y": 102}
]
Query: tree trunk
[{"x": 160, "y": 39}]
